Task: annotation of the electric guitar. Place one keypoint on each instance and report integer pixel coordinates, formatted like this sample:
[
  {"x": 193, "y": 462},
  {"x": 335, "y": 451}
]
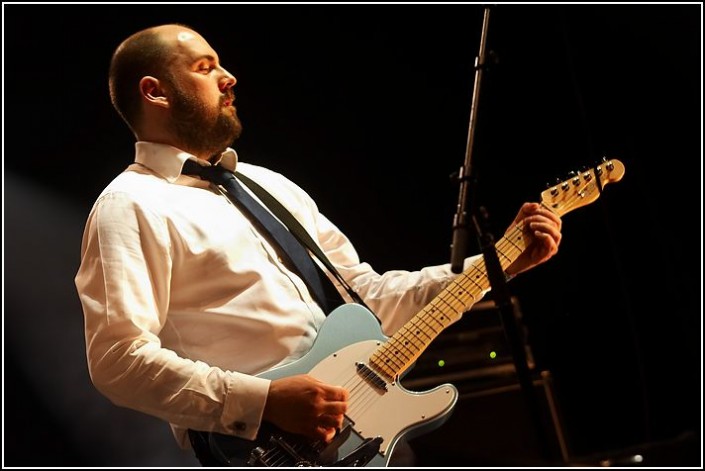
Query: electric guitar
[{"x": 351, "y": 351}]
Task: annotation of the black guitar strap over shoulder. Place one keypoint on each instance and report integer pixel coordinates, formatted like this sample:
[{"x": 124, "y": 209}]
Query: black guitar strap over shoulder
[{"x": 300, "y": 233}]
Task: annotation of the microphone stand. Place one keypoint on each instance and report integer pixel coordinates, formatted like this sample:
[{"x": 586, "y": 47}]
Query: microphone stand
[
  {"x": 460, "y": 231},
  {"x": 495, "y": 272},
  {"x": 512, "y": 332}
]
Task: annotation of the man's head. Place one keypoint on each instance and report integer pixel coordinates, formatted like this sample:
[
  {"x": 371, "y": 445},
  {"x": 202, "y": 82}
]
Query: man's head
[{"x": 167, "y": 83}]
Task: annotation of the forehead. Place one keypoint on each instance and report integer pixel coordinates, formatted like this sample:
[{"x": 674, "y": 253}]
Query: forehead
[{"x": 190, "y": 45}]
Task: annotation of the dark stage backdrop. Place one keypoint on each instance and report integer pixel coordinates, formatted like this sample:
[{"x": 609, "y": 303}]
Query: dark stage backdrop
[{"x": 366, "y": 107}]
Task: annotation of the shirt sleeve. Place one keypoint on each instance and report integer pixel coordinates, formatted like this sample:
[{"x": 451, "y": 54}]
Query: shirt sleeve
[
  {"x": 394, "y": 296},
  {"x": 124, "y": 286}
]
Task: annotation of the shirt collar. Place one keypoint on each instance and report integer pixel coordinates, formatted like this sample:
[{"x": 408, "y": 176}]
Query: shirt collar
[{"x": 167, "y": 161}]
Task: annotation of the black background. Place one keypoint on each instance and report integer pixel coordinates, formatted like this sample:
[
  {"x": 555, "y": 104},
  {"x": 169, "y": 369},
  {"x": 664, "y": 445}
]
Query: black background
[{"x": 367, "y": 107}]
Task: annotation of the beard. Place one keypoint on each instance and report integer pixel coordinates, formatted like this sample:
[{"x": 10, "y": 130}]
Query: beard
[{"x": 200, "y": 129}]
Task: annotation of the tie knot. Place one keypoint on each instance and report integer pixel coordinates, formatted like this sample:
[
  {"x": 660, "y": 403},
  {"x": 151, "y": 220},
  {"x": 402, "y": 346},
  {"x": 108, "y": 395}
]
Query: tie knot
[{"x": 214, "y": 173}]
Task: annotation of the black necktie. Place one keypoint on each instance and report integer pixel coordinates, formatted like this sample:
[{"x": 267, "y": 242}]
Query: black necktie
[{"x": 288, "y": 246}]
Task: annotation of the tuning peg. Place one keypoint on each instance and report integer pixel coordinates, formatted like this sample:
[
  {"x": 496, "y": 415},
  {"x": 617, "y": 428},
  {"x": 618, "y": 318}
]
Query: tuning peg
[
  {"x": 609, "y": 165},
  {"x": 554, "y": 189},
  {"x": 574, "y": 177}
]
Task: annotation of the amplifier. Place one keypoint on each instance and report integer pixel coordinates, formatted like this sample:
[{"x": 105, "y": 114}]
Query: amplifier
[
  {"x": 491, "y": 424},
  {"x": 492, "y": 427}
]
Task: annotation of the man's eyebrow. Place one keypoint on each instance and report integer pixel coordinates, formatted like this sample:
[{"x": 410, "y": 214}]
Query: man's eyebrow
[{"x": 205, "y": 56}]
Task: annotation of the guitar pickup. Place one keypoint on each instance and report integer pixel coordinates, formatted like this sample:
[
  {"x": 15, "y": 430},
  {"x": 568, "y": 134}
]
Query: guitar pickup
[{"x": 370, "y": 376}]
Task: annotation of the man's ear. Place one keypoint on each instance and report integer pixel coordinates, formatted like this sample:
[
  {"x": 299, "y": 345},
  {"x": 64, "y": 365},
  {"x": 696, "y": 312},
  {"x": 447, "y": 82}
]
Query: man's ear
[{"x": 151, "y": 90}]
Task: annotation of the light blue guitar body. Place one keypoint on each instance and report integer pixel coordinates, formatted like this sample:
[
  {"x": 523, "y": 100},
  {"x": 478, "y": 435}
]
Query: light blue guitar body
[
  {"x": 379, "y": 412},
  {"x": 351, "y": 351}
]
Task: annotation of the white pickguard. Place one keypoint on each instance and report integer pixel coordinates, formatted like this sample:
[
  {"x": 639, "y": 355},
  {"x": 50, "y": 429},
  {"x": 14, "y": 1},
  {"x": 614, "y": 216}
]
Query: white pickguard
[
  {"x": 349, "y": 335},
  {"x": 352, "y": 334},
  {"x": 376, "y": 412}
]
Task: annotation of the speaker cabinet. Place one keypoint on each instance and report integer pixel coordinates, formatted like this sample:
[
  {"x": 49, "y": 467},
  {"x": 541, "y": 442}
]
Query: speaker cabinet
[{"x": 493, "y": 427}]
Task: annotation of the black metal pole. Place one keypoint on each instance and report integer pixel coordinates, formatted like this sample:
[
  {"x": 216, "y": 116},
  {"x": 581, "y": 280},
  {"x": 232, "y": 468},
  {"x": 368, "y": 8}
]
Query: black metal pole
[
  {"x": 495, "y": 272},
  {"x": 460, "y": 220}
]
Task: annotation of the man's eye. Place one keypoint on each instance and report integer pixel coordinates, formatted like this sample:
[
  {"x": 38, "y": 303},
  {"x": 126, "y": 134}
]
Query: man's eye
[{"x": 205, "y": 68}]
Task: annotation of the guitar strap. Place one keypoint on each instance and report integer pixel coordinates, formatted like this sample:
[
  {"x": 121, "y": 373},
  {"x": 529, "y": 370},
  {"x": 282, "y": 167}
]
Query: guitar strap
[{"x": 300, "y": 233}]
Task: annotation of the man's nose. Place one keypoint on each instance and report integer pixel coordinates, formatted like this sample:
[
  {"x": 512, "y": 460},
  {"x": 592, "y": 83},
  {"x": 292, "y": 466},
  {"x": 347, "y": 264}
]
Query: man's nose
[{"x": 227, "y": 81}]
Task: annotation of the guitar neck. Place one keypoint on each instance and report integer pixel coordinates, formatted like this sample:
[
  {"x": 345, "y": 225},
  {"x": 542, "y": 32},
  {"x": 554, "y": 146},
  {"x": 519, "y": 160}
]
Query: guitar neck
[
  {"x": 403, "y": 349},
  {"x": 408, "y": 343}
]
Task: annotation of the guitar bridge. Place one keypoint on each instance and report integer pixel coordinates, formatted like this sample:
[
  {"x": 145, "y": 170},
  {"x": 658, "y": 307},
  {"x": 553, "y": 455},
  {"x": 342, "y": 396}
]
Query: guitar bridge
[
  {"x": 296, "y": 452},
  {"x": 361, "y": 455}
]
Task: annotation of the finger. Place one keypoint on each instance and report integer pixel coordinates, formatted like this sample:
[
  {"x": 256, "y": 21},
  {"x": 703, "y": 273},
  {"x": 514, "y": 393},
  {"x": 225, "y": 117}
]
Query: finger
[
  {"x": 545, "y": 221},
  {"x": 543, "y": 213},
  {"x": 325, "y": 434},
  {"x": 548, "y": 245},
  {"x": 529, "y": 208},
  {"x": 549, "y": 215},
  {"x": 334, "y": 408},
  {"x": 334, "y": 393},
  {"x": 330, "y": 421},
  {"x": 548, "y": 229},
  {"x": 526, "y": 210}
]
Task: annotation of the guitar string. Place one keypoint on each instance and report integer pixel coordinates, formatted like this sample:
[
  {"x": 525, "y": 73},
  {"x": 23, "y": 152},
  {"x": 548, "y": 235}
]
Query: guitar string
[
  {"x": 362, "y": 402},
  {"x": 506, "y": 249},
  {"x": 359, "y": 404},
  {"x": 383, "y": 354}
]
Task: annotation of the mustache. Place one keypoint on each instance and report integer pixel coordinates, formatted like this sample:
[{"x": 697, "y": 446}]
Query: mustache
[{"x": 227, "y": 97}]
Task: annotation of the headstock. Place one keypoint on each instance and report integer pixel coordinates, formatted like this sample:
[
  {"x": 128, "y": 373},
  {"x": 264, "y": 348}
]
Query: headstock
[{"x": 583, "y": 188}]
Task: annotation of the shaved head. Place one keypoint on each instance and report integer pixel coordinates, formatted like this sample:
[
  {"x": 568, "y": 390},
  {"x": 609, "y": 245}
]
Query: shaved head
[{"x": 146, "y": 52}]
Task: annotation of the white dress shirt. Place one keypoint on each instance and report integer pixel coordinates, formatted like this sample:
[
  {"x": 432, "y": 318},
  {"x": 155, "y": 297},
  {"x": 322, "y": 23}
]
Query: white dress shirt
[{"x": 184, "y": 300}]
